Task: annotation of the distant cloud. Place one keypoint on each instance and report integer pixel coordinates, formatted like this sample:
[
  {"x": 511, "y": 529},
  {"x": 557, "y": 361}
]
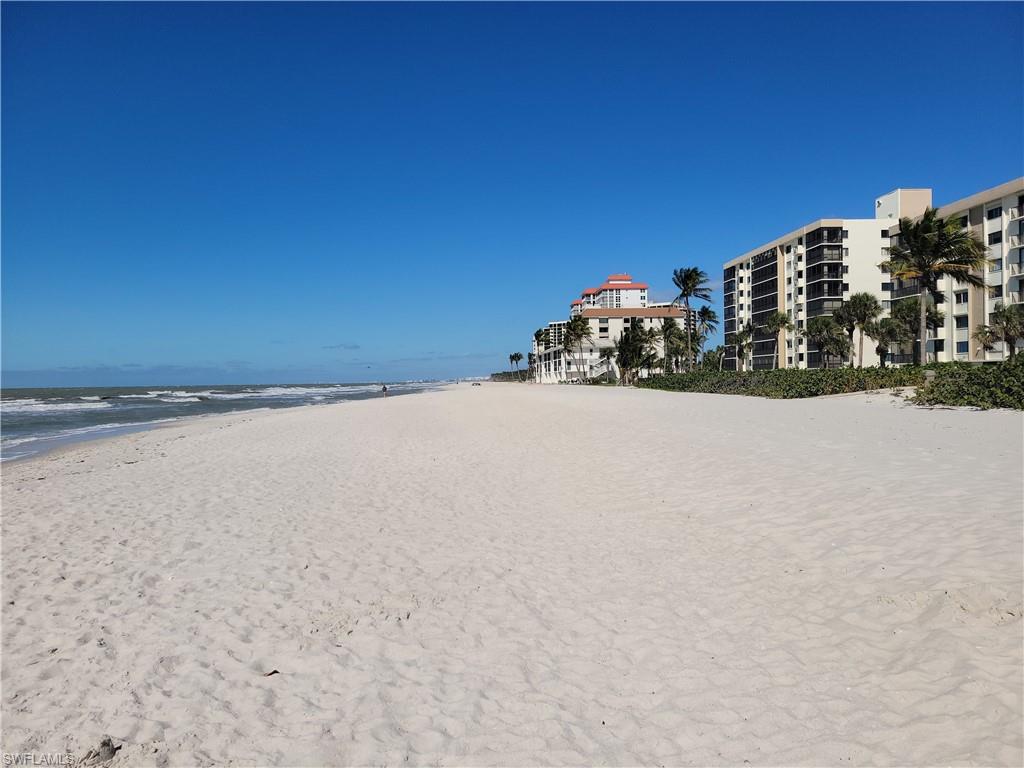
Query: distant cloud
[{"x": 342, "y": 346}]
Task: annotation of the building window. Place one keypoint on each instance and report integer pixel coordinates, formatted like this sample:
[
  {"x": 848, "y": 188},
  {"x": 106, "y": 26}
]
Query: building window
[
  {"x": 939, "y": 345},
  {"x": 995, "y": 292},
  {"x": 994, "y": 213},
  {"x": 995, "y": 238},
  {"x": 885, "y": 233},
  {"x": 789, "y": 249},
  {"x": 846, "y": 234},
  {"x": 799, "y": 273},
  {"x": 799, "y": 241},
  {"x": 961, "y": 347},
  {"x": 789, "y": 281},
  {"x": 995, "y": 265},
  {"x": 961, "y": 321},
  {"x": 846, "y": 286},
  {"x": 963, "y": 222},
  {"x": 960, "y": 297}
]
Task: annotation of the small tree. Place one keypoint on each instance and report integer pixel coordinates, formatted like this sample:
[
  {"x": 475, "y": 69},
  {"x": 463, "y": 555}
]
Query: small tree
[
  {"x": 741, "y": 340},
  {"x": 846, "y": 320},
  {"x": 828, "y": 336},
  {"x": 776, "y": 323},
  {"x": 864, "y": 309},
  {"x": 1007, "y": 325},
  {"x": 886, "y": 332}
]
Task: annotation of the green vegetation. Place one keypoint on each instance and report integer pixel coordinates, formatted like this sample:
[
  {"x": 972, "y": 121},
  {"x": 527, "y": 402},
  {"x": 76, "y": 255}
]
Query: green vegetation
[
  {"x": 977, "y": 385},
  {"x": 992, "y": 385},
  {"x": 787, "y": 382}
]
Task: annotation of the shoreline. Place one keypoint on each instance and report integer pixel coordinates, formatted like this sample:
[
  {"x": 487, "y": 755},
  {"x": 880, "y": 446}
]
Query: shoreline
[
  {"x": 59, "y": 442},
  {"x": 523, "y": 575}
]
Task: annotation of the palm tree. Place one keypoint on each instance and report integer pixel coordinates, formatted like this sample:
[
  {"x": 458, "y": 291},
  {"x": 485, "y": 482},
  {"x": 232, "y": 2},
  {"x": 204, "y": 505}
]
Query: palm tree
[
  {"x": 692, "y": 284},
  {"x": 630, "y": 352},
  {"x": 930, "y": 249},
  {"x": 516, "y": 358},
  {"x": 864, "y": 309},
  {"x": 886, "y": 332},
  {"x": 569, "y": 346},
  {"x": 672, "y": 340},
  {"x": 581, "y": 332},
  {"x": 844, "y": 317},
  {"x": 1007, "y": 325},
  {"x": 742, "y": 340},
  {"x": 707, "y": 323},
  {"x": 828, "y": 336},
  {"x": 986, "y": 337},
  {"x": 531, "y": 364},
  {"x": 542, "y": 337},
  {"x": 906, "y": 313},
  {"x": 776, "y": 323}
]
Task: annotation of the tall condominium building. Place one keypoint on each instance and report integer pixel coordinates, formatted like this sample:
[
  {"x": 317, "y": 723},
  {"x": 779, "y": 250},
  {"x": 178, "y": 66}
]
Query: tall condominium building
[{"x": 812, "y": 270}]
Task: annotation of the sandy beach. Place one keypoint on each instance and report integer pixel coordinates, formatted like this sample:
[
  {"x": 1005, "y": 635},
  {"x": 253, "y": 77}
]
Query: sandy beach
[{"x": 521, "y": 575}]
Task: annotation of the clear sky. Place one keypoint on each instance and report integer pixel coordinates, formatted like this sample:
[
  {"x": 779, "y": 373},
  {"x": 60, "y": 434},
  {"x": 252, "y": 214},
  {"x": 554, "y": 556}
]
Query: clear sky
[{"x": 283, "y": 192}]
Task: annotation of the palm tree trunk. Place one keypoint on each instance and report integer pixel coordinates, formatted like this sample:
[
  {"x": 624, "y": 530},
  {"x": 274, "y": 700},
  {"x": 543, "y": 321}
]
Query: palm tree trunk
[
  {"x": 860, "y": 350},
  {"x": 922, "y": 349},
  {"x": 689, "y": 340}
]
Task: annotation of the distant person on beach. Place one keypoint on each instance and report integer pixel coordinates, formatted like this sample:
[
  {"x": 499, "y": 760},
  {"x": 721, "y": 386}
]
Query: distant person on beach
[{"x": 384, "y": 389}]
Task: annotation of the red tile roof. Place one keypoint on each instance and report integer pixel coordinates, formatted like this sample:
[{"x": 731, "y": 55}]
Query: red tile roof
[
  {"x": 622, "y": 276},
  {"x": 575, "y": 302},
  {"x": 623, "y": 286}
]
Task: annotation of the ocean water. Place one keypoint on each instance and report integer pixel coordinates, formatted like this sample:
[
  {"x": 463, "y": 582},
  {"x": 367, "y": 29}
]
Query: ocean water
[{"x": 36, "y": 420}]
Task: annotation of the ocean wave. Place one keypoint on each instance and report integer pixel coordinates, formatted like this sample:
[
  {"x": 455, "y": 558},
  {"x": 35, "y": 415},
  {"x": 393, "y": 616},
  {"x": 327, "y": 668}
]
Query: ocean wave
[{"x": 36, "y": 406}]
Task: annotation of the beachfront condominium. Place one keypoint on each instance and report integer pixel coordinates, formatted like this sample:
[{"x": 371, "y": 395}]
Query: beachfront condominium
[
  {"x": 812, "y": 270},
  {"x": 610, "y": 309}
]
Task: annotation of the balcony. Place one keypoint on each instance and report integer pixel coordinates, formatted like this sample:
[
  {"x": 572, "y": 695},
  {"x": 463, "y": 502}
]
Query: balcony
[
  {"x": 818, "y": 255},
  {"x": 1015, "y": 268},
  {"x": 1015, "y": 213},
  {"x": 1015, "y": 297},
  {"x": 1014, "y": 241},
  {"x": 912, "y": 288}
]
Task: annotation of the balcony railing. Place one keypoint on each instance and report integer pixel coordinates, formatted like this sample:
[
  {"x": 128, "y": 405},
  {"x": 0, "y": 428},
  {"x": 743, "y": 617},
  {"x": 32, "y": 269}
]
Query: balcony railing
[
  {"x": 1015, "y": 213},
  {"x": 911, "y": 289},
  {"x": 1015, "y": 297},
  {"x": 1015, "y": 241},
  {"x": 1015, "y": 268}
]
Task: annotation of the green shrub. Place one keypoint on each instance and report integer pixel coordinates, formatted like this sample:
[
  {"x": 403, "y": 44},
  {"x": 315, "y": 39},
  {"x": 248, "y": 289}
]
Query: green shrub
[
  {"x": 787, "y": 382},
  {"x": 995, "y": 385}
]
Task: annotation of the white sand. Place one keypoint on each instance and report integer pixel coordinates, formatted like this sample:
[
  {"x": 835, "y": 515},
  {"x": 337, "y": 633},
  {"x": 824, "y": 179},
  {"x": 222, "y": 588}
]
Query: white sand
[{"x": 525, "y": 575}]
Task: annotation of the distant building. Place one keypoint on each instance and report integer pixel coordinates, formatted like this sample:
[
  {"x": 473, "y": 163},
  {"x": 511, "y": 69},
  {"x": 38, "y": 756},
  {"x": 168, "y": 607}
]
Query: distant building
[{"x": 609, "y": 309}]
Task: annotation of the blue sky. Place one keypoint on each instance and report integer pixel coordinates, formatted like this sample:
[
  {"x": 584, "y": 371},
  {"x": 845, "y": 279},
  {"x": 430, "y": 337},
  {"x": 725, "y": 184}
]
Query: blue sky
[{"x": 283, "y": 192}]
